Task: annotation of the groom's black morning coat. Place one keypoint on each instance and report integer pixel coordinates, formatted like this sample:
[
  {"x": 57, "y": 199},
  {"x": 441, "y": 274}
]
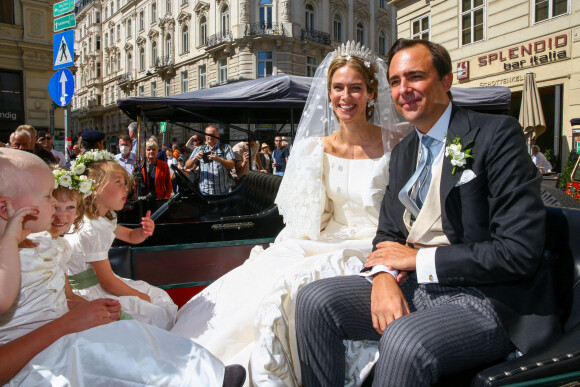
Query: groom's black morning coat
[{"x": 495, "y": 223}]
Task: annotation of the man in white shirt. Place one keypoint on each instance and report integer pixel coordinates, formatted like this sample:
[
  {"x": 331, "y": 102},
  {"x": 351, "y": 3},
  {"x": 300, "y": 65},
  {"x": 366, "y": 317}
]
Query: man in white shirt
[
  {"x": 59, "y": 156},
  {"x": 540, "y": 160}
]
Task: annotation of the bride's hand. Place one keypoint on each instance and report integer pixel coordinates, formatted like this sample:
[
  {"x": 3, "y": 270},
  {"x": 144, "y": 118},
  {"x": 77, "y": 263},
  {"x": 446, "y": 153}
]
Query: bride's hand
[
  {"x": 402, "y": 277},
  {"x": 393, "y": 255}
]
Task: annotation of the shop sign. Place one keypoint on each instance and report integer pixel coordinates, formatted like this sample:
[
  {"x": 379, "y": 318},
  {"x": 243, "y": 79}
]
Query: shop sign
[
  {"x": 526, "y": 55},
  {"x": 463, "y": 70},
  {"x": 10, "y": 115}
]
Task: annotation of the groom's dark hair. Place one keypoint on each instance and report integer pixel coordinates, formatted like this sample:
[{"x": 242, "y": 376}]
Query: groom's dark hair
[{"x": 439, "y": 55}]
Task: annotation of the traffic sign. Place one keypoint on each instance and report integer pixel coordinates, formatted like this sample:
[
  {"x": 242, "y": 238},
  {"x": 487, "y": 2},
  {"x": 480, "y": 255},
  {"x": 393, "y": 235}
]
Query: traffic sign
[
  {"x": 63, "y": 7},
  {"x": 63, "y": 49},
  {"x": 65, "y": 22},
  {"x": 162, "y": 127},
  {"x": 61, "y": 87}
]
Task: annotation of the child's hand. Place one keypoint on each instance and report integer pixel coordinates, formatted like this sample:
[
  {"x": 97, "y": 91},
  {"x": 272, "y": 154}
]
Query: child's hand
[
  {"x": 144, "y": 297},
  {"x": 147, "y": 225},
  {"x": 14, "y": 227}
]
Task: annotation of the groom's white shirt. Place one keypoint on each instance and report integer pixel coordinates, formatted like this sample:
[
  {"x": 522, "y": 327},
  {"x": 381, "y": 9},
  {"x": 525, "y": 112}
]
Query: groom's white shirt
[{"x": 425, "y": 265}]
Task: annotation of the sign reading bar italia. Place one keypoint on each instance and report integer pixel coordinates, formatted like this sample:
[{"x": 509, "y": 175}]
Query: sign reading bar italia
[
  {"x": 64, "y": 22},
  {"x": 63, "y": 7}
]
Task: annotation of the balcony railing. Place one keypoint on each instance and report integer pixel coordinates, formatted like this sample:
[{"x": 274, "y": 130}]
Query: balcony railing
[
  {"x": 315, "y": 36},
  {"x": 264, "y": 29},
  {"x": 127, "y": 77},
  {"x": 218, "y": 38},
  {"x": 161, "y": 61}
]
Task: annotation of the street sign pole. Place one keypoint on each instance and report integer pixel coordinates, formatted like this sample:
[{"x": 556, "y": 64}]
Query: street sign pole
[{"x": 66, "y": 144}]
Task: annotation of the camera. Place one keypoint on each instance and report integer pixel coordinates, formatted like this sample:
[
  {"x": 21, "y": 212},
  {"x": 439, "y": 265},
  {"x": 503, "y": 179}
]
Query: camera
[{"x": 205, "y": 157}]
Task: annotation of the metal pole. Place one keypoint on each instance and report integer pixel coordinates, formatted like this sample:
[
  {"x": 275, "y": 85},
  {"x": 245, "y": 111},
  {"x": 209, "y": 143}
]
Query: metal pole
[{"x": 66, "y": 137}]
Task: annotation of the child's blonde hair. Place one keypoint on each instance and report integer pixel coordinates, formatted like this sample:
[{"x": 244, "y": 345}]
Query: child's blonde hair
[
  {"x": 64, "y": 194},
  {"x": 101, "y": 172}
]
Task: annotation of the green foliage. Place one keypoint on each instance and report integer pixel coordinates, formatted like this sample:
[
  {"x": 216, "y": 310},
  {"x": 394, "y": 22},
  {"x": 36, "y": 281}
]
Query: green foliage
[
  {"x": 567, "y": 172},
  {"x": 551, "y": 157}
]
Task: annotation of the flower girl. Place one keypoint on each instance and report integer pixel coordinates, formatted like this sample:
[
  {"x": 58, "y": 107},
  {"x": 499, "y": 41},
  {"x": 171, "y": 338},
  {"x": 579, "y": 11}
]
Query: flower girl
[{"x": 89, "y": 268}]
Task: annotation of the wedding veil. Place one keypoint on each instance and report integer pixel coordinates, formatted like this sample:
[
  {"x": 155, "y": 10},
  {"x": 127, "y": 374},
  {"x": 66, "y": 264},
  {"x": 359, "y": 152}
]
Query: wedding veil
[{"x": 299, "y": 198}]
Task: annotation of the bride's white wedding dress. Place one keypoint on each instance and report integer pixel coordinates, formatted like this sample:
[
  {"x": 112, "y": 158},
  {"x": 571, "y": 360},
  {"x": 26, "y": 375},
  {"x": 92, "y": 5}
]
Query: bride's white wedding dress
[{"x": 247, "y": 316}]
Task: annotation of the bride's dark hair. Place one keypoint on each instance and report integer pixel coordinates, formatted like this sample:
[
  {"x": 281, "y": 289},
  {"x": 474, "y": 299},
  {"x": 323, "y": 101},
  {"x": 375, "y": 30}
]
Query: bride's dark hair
[{"x": 367, "y": 73}]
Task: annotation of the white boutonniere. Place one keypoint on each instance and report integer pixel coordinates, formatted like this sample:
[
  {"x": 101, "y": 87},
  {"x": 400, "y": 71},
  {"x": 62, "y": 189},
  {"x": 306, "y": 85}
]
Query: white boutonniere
[{"x": 458, "y": 154}]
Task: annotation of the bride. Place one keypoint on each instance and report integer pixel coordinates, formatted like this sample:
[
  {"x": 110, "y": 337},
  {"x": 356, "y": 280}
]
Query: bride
[{"x": 330, "y": 199}]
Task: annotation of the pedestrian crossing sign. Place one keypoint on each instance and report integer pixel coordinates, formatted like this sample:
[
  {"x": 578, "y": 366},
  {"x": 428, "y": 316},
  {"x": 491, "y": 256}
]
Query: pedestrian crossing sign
[{"x": 63, "y": 49}]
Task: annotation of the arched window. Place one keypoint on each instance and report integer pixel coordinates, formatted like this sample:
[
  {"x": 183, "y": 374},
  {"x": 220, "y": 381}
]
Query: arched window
[
  {"x": 337, "y": 28},
  {"x": 382, "y": 43},
  {"x": 168, "y": 47},
  {"x": 225, "y": 20},
  {"x": 129, "y": 63},
  {"x": 184, "y": 39},
  {"x": 202, "y": 31},
  {"x": 309, "y": 17},
  {"x": 141, "y": 59},
  {"x": 154, "y": 53},
  {"x": 360, "y": 33}
]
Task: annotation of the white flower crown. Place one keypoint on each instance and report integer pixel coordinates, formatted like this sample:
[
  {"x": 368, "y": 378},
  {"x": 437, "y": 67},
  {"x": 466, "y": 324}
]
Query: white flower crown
[
  {"x": 80, "y": 164},
  {"x": 70, "y": 180}
]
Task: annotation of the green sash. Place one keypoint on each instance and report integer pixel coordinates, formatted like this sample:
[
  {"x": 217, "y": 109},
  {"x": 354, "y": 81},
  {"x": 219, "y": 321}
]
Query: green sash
[{"x": 83, "y": 280}]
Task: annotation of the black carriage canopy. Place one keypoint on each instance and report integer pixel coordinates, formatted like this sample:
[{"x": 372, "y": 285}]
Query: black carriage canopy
[{"x": 276, "y": 99}]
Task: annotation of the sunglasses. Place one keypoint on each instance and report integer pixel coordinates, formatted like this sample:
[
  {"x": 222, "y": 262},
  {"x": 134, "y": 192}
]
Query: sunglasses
[{"x": 48, "y": 138}]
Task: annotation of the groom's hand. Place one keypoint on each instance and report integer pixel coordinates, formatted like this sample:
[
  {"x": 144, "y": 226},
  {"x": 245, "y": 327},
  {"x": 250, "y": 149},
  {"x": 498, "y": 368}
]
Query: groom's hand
[
  {"x": 387, "y": 301},
  {"x": 393, "y": 255}
]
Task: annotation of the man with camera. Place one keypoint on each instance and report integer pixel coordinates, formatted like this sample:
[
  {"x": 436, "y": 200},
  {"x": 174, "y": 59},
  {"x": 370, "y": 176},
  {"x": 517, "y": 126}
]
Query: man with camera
[{"x": 214, "y": 161}]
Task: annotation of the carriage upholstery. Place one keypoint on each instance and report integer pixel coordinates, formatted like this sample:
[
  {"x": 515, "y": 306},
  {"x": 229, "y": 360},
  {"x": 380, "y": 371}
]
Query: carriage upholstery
[{"x": 253, "y": 196}]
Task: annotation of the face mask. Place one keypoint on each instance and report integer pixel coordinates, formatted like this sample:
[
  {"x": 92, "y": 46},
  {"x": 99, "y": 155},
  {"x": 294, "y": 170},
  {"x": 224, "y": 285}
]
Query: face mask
[{"x": 125, "y": 149}]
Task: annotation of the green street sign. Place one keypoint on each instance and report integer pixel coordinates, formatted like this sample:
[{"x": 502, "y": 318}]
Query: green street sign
[
  {"x": 162, "y": 127},
  {"x": 64, "y": 22},
  {"x": 63, "y": 7}
]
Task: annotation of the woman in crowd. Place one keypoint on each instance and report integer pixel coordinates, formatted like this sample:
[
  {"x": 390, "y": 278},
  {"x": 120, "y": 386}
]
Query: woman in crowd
[
  {"x": 330, "y": 199},
  {"x": 266, "y": 158},
  {"x": 156, "y": 174}
]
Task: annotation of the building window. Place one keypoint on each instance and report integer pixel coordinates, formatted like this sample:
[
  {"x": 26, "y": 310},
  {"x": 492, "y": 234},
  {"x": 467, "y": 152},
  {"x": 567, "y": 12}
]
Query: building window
[
  {"x": 90, "y": 44},
  {"x": 337, "y": 28},
  {"x": 202, "y": 77},
  {"x": 382, "y": 4},
  {"x": 360, "y": 33},
  {"x": 141, "y": 21},
  {"x": 112, "y": 36},
  {"x": 168, "y": 47},
  {"x": 184, "y": 2},
  {"x": 118, "y": 32},
  {"x": 421, "y": 28},
  {"x": 202, "y": 31},
  {"x": 141, "y": 91},
  {"x": 184, "y": 82},
  {"x": 112, "y": 8},
  {"x": 168, "y": 6},
  {"x": 154, "y": 89},
  {"x": 154, "y": 53},
  {"x": 98, "y": 16},
  {"x": 472, "y": 16},
  {"x": 98, "y": 69},
  {"x": 167, "y": 88},
  {"x": 184, "y": 40},
  {"x": 98, "y": 42},
  {"x": 309, "y": 17},
  {"x": 311, "y": 64},
  {"x": 382, "y": 43},
  {"x": 106, "y": 39},
  {"x": 225, "y": 20},
  {"x": 223, "y": 71},
  {"x": 265, "y": 64},
  {"x": 129, "y": 29},
  {"x": 105, "y": 13},
  {"x": 153, "y": 13},
  {"x": 548, "y": 9},
  {"x": 7, "y": 11},
  {"x": 129, "y": 63},
  {"x": 266, "y": 14},
  {"x": 141, "y": 59}
]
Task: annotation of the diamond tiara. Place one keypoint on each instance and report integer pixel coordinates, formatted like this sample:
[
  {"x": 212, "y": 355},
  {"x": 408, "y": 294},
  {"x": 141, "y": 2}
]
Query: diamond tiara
[{"x": 352, "y": 48}]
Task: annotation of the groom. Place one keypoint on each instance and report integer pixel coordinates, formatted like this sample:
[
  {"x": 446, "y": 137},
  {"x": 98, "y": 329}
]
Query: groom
[{"x": 470, "y": 235}]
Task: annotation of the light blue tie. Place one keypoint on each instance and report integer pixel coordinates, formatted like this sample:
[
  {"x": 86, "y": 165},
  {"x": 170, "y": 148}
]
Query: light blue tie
[{"x": 422, "y": 176}]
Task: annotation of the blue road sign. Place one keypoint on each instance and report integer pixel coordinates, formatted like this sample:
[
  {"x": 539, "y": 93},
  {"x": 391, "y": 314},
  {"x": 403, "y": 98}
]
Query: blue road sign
[
  {"x": 63, "y": 49},
  {"x": 61, "y": 87}
]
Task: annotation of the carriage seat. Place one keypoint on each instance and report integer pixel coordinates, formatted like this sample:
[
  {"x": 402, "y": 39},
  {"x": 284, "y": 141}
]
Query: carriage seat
[{"x": 254, "y": 196}]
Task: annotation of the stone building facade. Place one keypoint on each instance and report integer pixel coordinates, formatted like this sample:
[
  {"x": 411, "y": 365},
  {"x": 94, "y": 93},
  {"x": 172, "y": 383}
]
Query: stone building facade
[
  {"x": 26, "y": 65},
  {"x": 166, "y": 47}
]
